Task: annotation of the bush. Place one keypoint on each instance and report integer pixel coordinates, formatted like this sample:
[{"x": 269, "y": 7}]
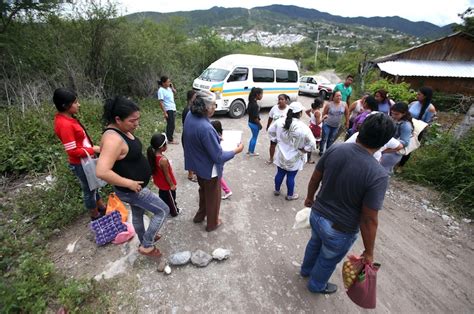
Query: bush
[
  {"x": 397, "y": 92},
  {"x": 447, "y": 164}
]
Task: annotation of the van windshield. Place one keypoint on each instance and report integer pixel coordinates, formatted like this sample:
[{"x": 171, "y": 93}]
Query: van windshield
[{"x": 213, "y": 75}]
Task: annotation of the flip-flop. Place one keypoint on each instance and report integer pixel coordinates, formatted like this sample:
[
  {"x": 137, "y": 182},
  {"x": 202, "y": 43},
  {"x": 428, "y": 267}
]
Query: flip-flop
[
  {"x": 311, "y": 162},
  {"x": 155, "y": 253},
  {"x": 219, "y": 223},
  {"x": 192, "y": 179}
]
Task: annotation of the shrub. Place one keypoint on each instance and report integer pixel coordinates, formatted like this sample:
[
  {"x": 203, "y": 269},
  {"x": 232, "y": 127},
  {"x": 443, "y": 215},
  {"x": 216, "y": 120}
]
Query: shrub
[
  {"x": 447, "y": 164},
  {"x": 397, "y": 92}
]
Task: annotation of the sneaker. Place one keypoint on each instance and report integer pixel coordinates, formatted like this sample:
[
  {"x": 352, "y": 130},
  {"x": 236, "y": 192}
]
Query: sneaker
[
  {"x": 253, "y": 154},
  {"x": 330, "y": 288},
  {"x": 276, "y": 193},
  {"x": 226, "y": 195},
  {"x": 292, "y": 197}
]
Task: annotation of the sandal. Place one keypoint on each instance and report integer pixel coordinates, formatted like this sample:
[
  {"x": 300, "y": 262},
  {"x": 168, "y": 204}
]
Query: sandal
[
  {"x": 219, "y": 223},
  {"x": 155, "y": 253},
  {"x": 157, "y": 237},
  {"x": 311, "y": 162},
  {"x": 193, "y": 179}
]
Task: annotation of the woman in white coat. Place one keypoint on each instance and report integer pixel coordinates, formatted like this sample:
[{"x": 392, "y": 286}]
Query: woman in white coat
[{"x": 295, "y": 140}]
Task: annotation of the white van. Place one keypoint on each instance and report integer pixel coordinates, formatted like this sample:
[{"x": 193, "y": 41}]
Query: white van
[{"x": 232, "y": 77}]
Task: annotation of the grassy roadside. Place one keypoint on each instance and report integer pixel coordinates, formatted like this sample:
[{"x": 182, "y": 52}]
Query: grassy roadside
[{"x": 29, "y": 216}]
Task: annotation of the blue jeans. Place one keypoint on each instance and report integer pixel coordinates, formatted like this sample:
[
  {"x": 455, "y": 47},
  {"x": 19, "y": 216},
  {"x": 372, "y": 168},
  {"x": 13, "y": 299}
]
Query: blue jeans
[
  {"x": 90, "y": 197},
  {"x": 328, "y": 138},
  {"x": 290, "y": 180},
  {"x": 139, "y": 202},
  {"x": 324, "y": 250},
  {"x": 253, "y": 141},
  {"x": 389, "y": 160}
]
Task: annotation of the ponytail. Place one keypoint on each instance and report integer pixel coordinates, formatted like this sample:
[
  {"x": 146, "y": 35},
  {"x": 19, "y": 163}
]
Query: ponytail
[
  {"x": 151, "y": 156},
  {"x": 288, "y": 120}
]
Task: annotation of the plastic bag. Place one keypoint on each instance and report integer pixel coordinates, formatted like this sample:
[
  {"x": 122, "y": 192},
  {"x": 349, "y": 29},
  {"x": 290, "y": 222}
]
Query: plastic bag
[
  {"x": 351, "y": 270},
  {"x": 114, "y": 203},
  {"x": 363, "y": 291},
  {"x": 125, "y": 236},
  {"x": 107, "y": 227},
  {"x": 302, "y": 219},
  {"x": 89, "y": 165}
]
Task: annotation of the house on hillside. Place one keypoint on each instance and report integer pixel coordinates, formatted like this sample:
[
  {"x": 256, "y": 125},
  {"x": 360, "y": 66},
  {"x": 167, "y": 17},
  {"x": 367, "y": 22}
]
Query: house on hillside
[{"x": 445, "y": 64}]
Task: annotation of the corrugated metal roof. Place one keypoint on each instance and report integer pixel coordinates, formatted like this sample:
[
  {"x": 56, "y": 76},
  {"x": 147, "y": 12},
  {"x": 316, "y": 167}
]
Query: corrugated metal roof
[{"x": 428, "y": 68}]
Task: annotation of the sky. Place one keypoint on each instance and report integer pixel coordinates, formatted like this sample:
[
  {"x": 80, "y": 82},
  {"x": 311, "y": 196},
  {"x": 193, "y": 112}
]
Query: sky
[{"x": 439, "y": 12}]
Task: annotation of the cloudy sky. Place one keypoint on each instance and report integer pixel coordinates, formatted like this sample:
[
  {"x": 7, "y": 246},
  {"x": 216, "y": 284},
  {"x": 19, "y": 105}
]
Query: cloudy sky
[{"x": 440, "y": 12}]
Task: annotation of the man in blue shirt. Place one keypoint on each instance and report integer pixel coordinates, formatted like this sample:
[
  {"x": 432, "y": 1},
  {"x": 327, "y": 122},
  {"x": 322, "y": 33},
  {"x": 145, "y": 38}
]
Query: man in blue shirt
[
  {"x": 166, "y": 93},
  {"x": 353, "y": 186},
  {"x": 345, "y": 89}
]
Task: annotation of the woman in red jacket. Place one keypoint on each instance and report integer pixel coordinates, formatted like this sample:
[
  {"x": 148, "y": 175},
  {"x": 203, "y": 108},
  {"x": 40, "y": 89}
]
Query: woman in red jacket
[{"x": 77, "y": 144}]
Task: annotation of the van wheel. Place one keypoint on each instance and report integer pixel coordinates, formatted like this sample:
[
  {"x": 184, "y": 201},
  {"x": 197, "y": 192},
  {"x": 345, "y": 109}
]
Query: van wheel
[
  {"x": 323, "y": 94},
  {"x": 237, "y": 109}
]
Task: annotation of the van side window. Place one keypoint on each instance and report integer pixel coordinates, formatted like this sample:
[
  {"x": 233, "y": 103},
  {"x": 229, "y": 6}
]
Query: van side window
[
  {"x": 239, "y": 74},
  {"x": 263, "y": 75},
  {"x": 304, "y": 79},
  {"x": 286, "y": 76}
]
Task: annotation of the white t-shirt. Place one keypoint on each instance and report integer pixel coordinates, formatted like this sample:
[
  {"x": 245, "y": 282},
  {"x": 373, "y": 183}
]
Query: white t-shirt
[
  {"x": 392, "y": 143},
  {"x": 276, "y": 113}
]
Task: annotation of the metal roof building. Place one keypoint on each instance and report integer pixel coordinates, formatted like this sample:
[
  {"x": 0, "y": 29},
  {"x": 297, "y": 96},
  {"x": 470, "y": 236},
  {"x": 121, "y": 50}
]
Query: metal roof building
[{"x": 445, "y": 64}]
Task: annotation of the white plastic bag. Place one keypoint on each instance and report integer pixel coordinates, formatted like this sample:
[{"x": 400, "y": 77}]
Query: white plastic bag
[
  {"x": 88, "y": 165},
  {"x": 302, "y": 219}
]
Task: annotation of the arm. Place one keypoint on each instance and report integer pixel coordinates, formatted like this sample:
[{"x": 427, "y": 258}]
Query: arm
[
  {"x": 352, "y": 106},
  {"x": 165, "y": 166},
  {"x": 368, "y": 230},
  {"x": 272, "y": 130},
  {"x": 162, "y": 105},
  {"x": 348, "y": 100},
  {"x": 269, "y": 122},
  {"x": 313, "y": 186},
  {"x": 317, "y": 115},
  {"x": 110, "y": 152},
  {"x": 66, "y": 135},
  {"x": 346, "y": 113},
  {"x": 406, "y": 131},
  {"x": 308, "y": 112},
  {"x": 325, "y": 112}
]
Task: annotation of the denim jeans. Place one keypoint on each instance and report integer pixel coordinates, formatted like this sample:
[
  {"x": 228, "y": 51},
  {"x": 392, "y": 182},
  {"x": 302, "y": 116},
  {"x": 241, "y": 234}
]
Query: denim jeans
[
  {"x": 290, "y": 180},
  {"x": 253, "y": 141},
  {"x": 90, "y": 197},
  {"x": 389, "y": 160},
  {"x": 329, "y": 136},
  {"x": 139, "y": 202},
  {"x": 324, "y": 250},
  {"x": 170, "y": 124}
]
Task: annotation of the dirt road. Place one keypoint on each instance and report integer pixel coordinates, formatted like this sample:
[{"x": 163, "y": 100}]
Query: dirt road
[{"x": 426, "y": 257}]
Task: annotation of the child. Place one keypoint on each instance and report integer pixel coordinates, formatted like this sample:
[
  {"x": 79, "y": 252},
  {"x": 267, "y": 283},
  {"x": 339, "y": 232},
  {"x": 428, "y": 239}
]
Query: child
[
  {"x": 227, "y": 192},
  {"x": 163, "y": 176},
  {"x": 315, "y": 123}
]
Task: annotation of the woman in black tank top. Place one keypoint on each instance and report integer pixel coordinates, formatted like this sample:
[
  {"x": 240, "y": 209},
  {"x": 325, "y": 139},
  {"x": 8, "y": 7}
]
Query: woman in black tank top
[{"x": 123, "y": 165}]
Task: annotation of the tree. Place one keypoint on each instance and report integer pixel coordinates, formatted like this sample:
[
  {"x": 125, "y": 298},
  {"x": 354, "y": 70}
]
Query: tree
[
  {"x": 468, "y": 21},
  {"x": 12, "y": 10}
]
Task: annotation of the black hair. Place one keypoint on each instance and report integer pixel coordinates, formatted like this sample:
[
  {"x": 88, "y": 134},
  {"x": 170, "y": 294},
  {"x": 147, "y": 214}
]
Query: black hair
[
  {"x": 289, "y": 118},
  {"x": 372, "y": 103},
  {"x": 317, "y": 103},
  {"x": 162, "y": 80},
  {"x": 254, "y": 92},
  {"x": 402, "y": 108},
  {"x": 287, "y": 98},
  {"x": 190, "y": 94},
  {"x": 376, "y": 130},
  {"x": 157, "y": 141},
  {"x": 217, "y": 126},
  {"x": 428, "y": 93},
  {"x": 118, "y": 107},
  {"x": 63, "y": 98},
  {"x": 384, "y": 94},
  {"x": 350, "y": 76}
]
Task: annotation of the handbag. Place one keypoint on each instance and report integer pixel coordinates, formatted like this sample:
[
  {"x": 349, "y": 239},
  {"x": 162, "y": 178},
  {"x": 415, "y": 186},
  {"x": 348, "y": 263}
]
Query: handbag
[
  {"x": 88, "y": 165},
  {"x": 414, "y": 143},
  {"x": 114, "y": 203},
  {"x": 363, "y": 291},
  {"x": 108, "y": 227}
]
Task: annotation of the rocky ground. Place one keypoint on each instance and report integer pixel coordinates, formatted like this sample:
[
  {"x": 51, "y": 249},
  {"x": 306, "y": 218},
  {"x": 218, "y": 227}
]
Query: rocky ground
[{"x": 426, "y": 254}]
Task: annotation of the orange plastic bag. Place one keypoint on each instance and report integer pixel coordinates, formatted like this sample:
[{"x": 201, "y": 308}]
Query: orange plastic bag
[{"x": 114, "y": 203}]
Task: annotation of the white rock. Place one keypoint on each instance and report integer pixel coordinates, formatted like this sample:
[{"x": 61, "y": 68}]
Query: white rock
[
  {"x": 446, "y": 217},
  {"x": 180, "y": 258},
  {"x": 221, "y": 254},
  {"x": 167, "y": 270},
  {"x": 201, "y": 258},
  {"x": 450, "y": 256},
  {"x": 295, "y": 263},
  {"x": 465, "y": 220}
]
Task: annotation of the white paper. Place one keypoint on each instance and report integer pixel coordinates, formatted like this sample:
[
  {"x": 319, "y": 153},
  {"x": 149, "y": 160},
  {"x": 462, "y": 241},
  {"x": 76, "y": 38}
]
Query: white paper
[{"x": 231, "y": 139}]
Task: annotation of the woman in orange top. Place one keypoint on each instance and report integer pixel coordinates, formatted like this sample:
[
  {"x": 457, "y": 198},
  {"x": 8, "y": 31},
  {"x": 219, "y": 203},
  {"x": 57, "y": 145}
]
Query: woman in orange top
[
  {"x": 77, "y": 144},
  {"x": 163, "y": 175}
]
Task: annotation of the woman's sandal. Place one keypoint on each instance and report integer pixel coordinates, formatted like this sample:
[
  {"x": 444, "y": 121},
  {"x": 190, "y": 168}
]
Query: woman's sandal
[
  {"x": 193, "y": 179},
  {"x": 155, "y": 253}
]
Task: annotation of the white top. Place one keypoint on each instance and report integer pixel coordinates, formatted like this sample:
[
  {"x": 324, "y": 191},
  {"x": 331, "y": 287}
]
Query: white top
[
  {"x": 276, "y": 113},
  {"x": 288, "y": 155},
  {"x": 358, "y": 109},
  {"x": 392, "y": 143},
  {"x": 312, "y": 118}
]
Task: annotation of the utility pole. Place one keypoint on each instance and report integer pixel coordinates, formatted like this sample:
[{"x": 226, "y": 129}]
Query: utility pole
[
  {"x": 327, "y": 55},
  {"x": 316, "y": 53}
]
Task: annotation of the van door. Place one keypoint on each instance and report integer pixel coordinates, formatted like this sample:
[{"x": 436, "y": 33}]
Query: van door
[
  {"x": 286, "y": 83},
  {"x": 236, "y": 91},
  {"x": 265, "y": 79}
]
